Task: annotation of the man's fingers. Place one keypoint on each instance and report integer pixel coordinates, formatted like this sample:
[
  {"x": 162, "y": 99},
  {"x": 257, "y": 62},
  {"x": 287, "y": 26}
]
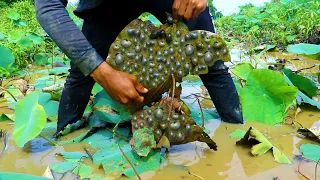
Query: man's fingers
[
  {"x": 189, "y": 12},
  {"x": 198, "y": 9},
  {"x": 175, "y": 8},
  {"x": 138, "y": 99},
  {"x": 182, "y": 8},
  {"x": 140, "y": 88}
]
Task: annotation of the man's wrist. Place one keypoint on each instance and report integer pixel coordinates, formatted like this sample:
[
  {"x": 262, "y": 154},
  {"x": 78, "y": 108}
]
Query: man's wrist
[{"x": 104, "y": 68}]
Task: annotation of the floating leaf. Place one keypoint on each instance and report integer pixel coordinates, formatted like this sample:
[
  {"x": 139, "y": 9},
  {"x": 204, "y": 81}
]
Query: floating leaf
[
  {"x": 59, "y": 71},
  {"x": 14, "y": 15},
  {"x": 146, "y": 164},
  {"x": 40, "y": 59},
  {"x": 95, "y": 122},
  {"x": 238, "y": 133},
  {"x": 7, "y": 57},
  {"x": 14, "y": 175},
  {"x": 73, "y": 156},
  {"x": 261, "y": 145},
  {"x": 63, "y": 167},
  {"x": 73, "y": 140},
  {"x": 304, "y": 84},
  {"x": 143, "y": 141},
  {"x": 242, "y": 70},
  {"x": 114, "y": 163},
  {"x": 106, "y": 109},
  {"x": 310, "y": 151},
  {"x": 105, "y": 139},
  {"x": 266, "y": 96},
  {"x": 305, "y": 49},
  {"x": 83, "y": 171},
  {"x": 30, "y": 119},
  {"x": 266, "y": 47}
]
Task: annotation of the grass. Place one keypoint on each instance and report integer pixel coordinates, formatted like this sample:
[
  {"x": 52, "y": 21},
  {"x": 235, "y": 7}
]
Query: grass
[{"x": 278, "y": 23}]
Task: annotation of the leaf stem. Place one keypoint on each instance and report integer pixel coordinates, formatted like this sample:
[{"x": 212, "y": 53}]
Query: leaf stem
[
  {"x": 315, "y": 170},
  {"x": 49, "y": 140},
  {"x": 299, "y": 170},
  {"x": 196, "y": 175},
  {"x": 173, "y": 90},
  {"x": 134, "y": 169},
  {"x": 14, "y": 98},
  {"x": 202, "y": 116}
]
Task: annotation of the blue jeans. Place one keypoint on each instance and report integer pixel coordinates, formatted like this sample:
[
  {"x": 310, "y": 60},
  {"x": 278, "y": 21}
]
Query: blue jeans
[{"x": 102, "y": 31}]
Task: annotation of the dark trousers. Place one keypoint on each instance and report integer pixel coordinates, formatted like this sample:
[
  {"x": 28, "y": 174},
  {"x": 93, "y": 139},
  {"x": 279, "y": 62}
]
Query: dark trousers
[{"x": 101, "y": 31}]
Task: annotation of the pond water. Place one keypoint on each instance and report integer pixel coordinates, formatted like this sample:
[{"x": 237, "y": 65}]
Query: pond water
[{"x": 228, "y": 163}]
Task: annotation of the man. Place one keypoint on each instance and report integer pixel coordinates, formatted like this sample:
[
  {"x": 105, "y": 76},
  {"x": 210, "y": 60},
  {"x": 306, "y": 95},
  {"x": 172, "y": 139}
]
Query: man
[{"x": 87, "y": 50}]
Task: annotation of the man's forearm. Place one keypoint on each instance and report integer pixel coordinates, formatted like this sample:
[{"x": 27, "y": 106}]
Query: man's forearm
[{"x": 56, "y": 21}]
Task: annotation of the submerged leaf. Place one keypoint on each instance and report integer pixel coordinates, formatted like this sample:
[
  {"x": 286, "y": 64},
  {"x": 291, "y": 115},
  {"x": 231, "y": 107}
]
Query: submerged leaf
[
  {"x": 83, "y": 171},
  {"x": 238, "y": 133},
  {"x": 30, "y": 119},
  {"x": 114, "y": 163},
  {"x": 73, "y": 156},
  {"x": 63, "y": 167},
  {"x": 310, "y": 151},
  {"x": 266, "y": 96},
  {"x": 260, "y": 145}
]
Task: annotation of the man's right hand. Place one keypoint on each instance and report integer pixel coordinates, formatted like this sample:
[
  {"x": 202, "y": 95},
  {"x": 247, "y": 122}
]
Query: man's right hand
[{"x": 122, "y": 87}]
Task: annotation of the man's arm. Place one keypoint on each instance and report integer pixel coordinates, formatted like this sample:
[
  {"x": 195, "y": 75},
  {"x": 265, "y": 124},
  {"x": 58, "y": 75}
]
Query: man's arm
[{"x": 56, "y": 21}]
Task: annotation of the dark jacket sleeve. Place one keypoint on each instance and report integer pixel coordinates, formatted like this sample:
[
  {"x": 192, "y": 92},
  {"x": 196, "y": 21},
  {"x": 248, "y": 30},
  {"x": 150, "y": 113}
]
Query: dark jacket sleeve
[{"x": 54, "y": 19}]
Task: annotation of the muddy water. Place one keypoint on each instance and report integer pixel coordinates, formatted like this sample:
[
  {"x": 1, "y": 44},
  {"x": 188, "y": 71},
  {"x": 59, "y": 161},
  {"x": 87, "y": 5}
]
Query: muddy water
[{"x": 229, "y": 162}]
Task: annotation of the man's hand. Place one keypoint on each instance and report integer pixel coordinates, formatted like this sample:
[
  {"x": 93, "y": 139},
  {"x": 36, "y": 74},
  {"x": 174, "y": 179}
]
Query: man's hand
[
  {"x": 189, "y": 9},
  {"x": 122, "y": 87}
]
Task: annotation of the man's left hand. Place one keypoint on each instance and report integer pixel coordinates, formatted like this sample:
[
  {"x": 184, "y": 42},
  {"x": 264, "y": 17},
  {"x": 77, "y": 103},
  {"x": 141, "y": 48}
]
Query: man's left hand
[{"x": 188, "y": 9}]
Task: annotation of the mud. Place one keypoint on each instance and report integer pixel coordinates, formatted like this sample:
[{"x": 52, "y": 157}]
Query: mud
[{"x": 229, "y": 162}]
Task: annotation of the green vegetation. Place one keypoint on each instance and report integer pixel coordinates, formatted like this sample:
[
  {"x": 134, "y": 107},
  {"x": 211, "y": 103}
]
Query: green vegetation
[
  {"x": 5, "y": 3},
  {"x": 21, "y": 34},
  {"x": 214, "y": 12},
  {"x": 279, "y": 23},
  {"x": 266, "y": 94}
]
